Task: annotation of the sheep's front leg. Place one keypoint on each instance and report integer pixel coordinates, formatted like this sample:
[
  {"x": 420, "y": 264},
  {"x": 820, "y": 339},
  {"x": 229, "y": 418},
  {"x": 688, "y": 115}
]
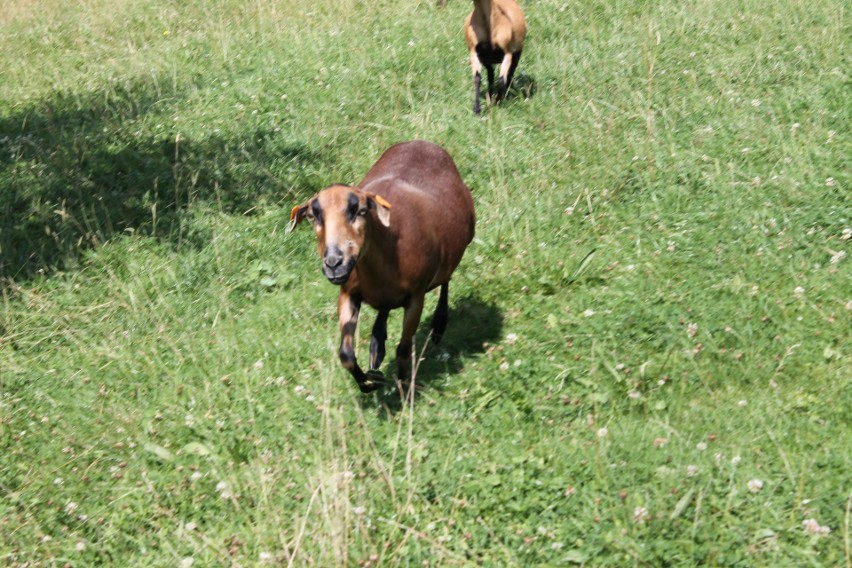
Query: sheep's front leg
[
  {"x": 410, "y": 321},
  {"x": 377, "y": 344},
  {"x": 476, "y": 67},
  {"x": 348, "y": 309},
  {"x": 507, "y": 68}
]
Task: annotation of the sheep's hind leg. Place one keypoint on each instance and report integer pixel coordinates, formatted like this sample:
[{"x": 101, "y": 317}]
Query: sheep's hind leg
[{"x": 441, "y": 315}]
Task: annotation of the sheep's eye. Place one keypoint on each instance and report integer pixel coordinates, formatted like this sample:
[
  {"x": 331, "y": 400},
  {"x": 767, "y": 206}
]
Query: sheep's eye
[{"x": 314, "y": 213}]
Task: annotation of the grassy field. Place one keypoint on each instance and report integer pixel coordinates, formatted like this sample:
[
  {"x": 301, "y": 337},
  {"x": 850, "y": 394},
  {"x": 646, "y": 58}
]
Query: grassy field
[{"x": 648, "y": 361}]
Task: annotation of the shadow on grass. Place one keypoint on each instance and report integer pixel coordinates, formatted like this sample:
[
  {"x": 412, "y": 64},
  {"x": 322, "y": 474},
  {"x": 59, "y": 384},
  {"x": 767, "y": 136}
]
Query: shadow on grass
[
  {"x": 79, "y": 168},
  {"x": 472, "y": 325}
]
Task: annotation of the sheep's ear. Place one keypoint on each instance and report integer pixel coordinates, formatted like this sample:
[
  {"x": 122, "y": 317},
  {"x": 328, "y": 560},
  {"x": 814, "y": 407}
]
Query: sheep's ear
[
  {"x": 381, "y": 206},
  {"x": 296, "y": 216}
]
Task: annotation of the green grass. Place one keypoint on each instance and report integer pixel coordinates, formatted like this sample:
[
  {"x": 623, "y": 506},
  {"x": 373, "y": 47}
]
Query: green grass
[{"x": 655, "y": 310}]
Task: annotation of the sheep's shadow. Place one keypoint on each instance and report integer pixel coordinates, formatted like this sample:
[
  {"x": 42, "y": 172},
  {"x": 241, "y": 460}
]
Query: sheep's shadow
[
  {"x": 473, "y": 324},
  {"x": 523, "y": 86}
]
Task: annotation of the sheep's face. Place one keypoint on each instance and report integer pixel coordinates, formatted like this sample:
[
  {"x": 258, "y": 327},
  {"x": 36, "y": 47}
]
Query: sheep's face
[{"x": 341, "y": 217}]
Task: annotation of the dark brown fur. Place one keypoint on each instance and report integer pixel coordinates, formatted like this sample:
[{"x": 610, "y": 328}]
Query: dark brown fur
[{"x": 397, "y": 235}]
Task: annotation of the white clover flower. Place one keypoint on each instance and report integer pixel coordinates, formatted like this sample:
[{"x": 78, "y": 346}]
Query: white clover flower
[
  {"x": 603, "y": 432},
  {"x": 359, "y": 510},
  {"x": 70, "y": 507},
  {"x": 187, "y": 562},
  {"x": 837, "y": 256},
  {"x": 691, "y": 470},
  {"x": 588, "y": 313},
  {"x": 742, "y": 403},
  {"x": 736, "y": 460},
  {"x": 511, "y": 338},
  {"x": 196, "y": 475},
  {"x": 799, "y": 291},
  {"x": 755, "y": 485},
  {"x": 811, "y": 526},
  {"x": 692, "y": 329},
  {"x": 640, "y": 515},
  {"x": 80, "y": 546},
  {"x": 265, "y": 556},
  {"x": 701, "y": 446}
]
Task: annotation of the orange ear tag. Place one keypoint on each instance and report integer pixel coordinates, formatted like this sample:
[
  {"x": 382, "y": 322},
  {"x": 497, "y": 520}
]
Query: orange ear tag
[{"x": 382, "y": 201}]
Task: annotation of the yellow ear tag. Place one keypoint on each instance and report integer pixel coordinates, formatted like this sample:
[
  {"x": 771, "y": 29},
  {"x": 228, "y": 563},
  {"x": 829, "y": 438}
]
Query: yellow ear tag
[{"x": 382, "y": 201}]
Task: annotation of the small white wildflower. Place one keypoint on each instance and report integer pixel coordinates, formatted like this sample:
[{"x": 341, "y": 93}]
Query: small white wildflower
[
  {"x": 258, "y": 365},
  {"x": 742, "y": 403},
  {"x": 837, "y": 256},
  {"x": 504, "y": 366},
  {"x": 634, "y": 394},
  {"x": 701, "y": 446},
  {"x": 196, "y": 475},
  {"x": 70, "y": 507},
  {"x": 187, "y": 562},
  {"x": 811, "y": 526},
  {"x": 603, "y": 432},
  {"x": 755, "y": 485},
  {"x": 411, "y": 43},
  {"x": 511, "y": 338},
  {"x": 556, "y": 545},
  {"x": 80, "y": 546},
  {"x": 799, "y": 291},
  {"x": 846, "y": 234},
  {"x": 569, "y": 210},
  {"x": 189, "y": 420},
  {"x": 692, "y": 329},
  {"x": 691, "y": 470},
  {"x": 671, "y": 246},
  {"x": 589, "y": 313},
  {"x": 640, "y": 515},
  {"x": 299, "y": 389},
  {"x": 58, "y": 481},
  {"x": 190, "y": 526},
  {"x": 829, "y": 181},
  {"x": 736, "y": 460},
  {"x": 265, "y": 556},
  {"x": 359, "y": 510},
  {"x": 755, "y": 103}
]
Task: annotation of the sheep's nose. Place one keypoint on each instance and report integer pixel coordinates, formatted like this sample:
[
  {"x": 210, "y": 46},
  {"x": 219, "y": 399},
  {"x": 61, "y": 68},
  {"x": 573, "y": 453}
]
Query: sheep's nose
[{"x": 333, "y": 257}]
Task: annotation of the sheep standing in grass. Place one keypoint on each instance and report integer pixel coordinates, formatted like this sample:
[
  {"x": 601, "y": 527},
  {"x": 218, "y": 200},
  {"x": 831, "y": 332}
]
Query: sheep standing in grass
[
  {"x": 494, "y": 32},
  {"x": 397, "y": 235}
]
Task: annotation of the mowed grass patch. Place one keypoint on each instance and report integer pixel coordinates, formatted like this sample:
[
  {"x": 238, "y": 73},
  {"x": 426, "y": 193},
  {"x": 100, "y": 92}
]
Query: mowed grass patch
[{"x": 647, "y": 360}]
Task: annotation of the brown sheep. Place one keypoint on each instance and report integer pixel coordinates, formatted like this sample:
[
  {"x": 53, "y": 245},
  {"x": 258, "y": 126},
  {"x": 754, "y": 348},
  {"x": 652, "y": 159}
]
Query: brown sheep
[
  {"x": 494, "y": 32},
  {"x": 397, "y": 235}
]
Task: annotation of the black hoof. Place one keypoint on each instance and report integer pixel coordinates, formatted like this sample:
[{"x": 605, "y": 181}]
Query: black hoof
[{"x": 374, "y": 381}]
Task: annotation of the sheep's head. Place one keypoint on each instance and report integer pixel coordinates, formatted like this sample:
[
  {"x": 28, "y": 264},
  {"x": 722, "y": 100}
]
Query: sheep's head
[{"x": 341, "y": 216}]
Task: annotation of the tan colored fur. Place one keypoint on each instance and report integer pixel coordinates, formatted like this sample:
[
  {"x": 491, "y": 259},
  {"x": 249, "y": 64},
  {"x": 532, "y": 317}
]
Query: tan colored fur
[{"x": 494, "y": 32}]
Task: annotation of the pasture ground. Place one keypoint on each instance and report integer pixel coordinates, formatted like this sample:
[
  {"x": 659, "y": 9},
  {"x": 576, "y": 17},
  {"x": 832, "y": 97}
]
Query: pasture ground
[{"x": 648, "y": 355}]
